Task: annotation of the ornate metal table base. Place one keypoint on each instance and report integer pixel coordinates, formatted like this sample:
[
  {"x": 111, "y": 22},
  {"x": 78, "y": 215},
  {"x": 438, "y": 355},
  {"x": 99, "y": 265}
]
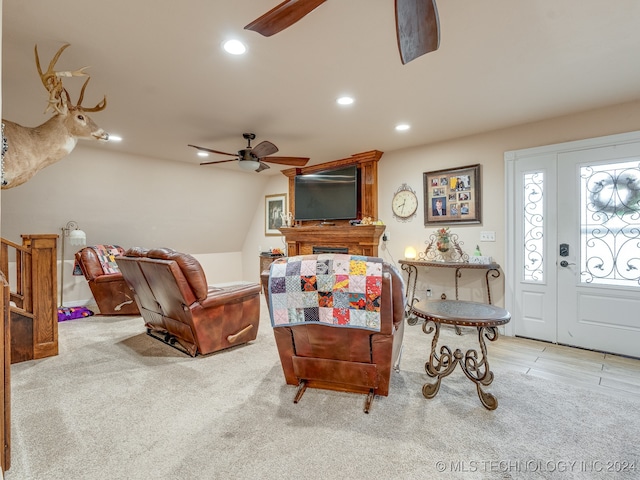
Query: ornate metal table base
[
  {"x": 443, "y": 363},
  {"x": 486, "y": 318}
]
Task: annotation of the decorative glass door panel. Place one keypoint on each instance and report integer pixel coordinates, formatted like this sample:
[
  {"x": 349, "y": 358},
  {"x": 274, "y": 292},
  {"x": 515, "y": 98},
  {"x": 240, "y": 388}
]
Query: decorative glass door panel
[{"x": 610, "y": 224}]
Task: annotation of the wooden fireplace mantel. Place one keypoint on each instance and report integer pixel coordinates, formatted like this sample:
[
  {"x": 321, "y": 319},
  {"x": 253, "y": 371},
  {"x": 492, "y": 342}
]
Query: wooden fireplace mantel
[
  {"x": 358, "y": 239},
  {"x": 367, "y": 164}
]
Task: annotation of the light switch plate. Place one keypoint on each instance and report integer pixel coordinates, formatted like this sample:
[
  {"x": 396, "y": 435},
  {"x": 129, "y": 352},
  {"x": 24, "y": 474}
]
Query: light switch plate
[{"x": 487, "y": 236}]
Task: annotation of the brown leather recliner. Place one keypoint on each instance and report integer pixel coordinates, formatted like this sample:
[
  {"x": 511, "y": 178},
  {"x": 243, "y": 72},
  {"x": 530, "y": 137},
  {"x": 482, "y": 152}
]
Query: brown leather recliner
[
  {"x": 345, "y": 358},
  {"x": 111, "y": 293},
  {"x": 178, "y": 306}
]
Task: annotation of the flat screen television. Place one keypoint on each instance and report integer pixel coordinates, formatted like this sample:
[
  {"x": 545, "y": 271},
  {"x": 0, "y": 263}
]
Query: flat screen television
[{"x": 327, "y": 195}]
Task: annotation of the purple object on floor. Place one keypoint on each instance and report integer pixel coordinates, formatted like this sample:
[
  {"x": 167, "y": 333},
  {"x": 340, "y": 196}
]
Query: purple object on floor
[{"x": 71, "y": 313}]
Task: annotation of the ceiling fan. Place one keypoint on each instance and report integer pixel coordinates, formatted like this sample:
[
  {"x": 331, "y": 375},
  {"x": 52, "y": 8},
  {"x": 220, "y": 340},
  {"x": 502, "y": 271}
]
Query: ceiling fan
[
  {"x": 254, "y": 158},
  {"x": 417, "y": 24}
]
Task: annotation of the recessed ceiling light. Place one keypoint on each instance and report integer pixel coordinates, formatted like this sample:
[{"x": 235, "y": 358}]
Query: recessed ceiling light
[
  {"x": 345, "y": 100},
  {"x": 234, "y": 47},
  {"x": 203, "y": 154},
  {"x": 115, "y": 138},
  {"x": 402, "y": 127}
]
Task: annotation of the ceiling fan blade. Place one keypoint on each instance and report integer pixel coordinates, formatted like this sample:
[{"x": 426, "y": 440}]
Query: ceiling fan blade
[
  {"x": 293, "y": 161},
  {"x": 417, "y": 28},
  {"x": 263, "y": 166},
  {"x": 283, "y": 16},
  {"x": 263, "y": 149},
  {"x": 219, "y": 161},
  {"x": 204, "y": 149}
]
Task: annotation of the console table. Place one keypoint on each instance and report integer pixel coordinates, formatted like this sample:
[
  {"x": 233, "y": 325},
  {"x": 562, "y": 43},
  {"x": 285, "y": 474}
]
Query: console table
[
  {"x": 486, "y": 318},
  {"x": 411, "y": 267}
]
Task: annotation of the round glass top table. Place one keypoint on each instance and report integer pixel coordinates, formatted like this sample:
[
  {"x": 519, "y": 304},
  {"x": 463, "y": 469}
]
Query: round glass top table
[{"x": 486, "y": 318}]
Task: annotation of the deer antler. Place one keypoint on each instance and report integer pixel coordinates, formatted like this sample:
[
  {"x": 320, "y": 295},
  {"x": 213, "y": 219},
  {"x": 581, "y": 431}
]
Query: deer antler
[
  {"x": 99, "y": 106},
  {"x": 53, "y": 83}
]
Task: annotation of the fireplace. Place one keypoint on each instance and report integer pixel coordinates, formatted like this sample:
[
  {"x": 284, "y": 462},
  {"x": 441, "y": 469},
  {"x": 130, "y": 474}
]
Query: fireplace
[{"x": 321, "y": 249}]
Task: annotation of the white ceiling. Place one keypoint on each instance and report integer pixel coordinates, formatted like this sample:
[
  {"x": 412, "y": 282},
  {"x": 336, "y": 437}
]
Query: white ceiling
[{"x": 168, "y": 82}]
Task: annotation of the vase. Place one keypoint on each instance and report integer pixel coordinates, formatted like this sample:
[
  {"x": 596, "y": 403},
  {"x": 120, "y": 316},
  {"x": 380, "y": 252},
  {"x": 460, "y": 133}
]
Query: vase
[{"x": 443, "y": 245}]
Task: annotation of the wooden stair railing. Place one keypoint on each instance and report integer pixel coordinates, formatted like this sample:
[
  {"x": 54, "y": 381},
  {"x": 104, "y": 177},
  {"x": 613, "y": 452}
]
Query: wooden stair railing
[
  {"x": 21, "y": 297},
  {"x": 5, "y": 377},
  {"x": 34, "y": 312}
]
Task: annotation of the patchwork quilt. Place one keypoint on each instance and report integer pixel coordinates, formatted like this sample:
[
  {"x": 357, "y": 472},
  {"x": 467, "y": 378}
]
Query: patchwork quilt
[
  {"x": 107, "y": 255},
  {"x": 338, "y": 290}
]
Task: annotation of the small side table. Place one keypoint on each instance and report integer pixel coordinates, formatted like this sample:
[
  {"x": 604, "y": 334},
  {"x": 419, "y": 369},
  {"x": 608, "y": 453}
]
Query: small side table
[{"x": 486, "y": 318}]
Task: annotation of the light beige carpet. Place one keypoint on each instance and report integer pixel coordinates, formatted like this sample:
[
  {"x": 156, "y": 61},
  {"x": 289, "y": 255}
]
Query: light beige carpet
[{"x": 117, "y": 404}]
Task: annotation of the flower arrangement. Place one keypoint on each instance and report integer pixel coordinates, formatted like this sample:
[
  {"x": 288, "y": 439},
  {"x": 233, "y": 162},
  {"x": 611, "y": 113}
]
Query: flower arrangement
[
  {"x": 443, "y": 246},
  {"x": 443, "y": 242}
]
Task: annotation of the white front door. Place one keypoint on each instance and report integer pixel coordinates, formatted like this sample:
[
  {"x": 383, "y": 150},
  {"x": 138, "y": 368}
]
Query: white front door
[{"x": 575, "y": 243}]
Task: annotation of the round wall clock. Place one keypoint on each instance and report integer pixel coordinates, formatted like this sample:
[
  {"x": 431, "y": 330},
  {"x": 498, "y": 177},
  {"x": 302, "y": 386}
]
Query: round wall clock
[{"x": 405, "y": 203}]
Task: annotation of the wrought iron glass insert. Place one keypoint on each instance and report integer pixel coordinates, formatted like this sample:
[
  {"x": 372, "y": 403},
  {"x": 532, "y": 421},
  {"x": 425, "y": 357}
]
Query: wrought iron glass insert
[
  {"x": 533, "y": 229},
  {"x": 610, "y": 224}
]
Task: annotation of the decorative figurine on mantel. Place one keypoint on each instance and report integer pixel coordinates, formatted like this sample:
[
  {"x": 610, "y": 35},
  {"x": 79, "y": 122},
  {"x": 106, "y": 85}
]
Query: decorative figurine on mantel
[
  {"x": 287, "y": 219},
  {"x": 443, "y": 246}
]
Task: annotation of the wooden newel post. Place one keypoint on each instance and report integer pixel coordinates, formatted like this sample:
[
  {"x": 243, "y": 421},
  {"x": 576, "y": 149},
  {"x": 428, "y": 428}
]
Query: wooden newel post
[{"x": 43, "y": 271}]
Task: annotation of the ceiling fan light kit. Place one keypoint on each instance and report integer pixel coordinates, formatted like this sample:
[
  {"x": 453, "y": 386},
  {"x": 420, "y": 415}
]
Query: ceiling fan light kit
[
  {"x": 249, "y": 165},
  {"x": 417, "y": 23}
]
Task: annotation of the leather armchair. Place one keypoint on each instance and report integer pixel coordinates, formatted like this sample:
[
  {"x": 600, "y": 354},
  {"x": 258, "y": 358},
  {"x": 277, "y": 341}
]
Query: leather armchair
[
  {"x": 111, "y": 293},
  {"x": 178, "y": 306},
  {"x": 345, "y": 358}
]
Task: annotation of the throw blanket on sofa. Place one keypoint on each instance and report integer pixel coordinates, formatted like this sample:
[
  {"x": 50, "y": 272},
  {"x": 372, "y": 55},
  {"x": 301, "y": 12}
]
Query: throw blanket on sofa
[
  {"x": 107, "y": 255},
  {"x": 337, "y": 290}
]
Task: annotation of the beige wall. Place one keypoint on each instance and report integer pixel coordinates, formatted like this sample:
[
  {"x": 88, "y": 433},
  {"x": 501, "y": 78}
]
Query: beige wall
[
  {"x": 255, "y": 240},
  {"x": 132, "y": 200},
  {"x": 407, "y": 166},
  {"x": 137, "y": 201}
]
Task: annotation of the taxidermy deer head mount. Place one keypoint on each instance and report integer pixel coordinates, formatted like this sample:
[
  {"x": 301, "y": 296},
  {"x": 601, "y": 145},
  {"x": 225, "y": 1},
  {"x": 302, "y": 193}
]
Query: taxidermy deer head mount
[{"x": 28, "y": 150}]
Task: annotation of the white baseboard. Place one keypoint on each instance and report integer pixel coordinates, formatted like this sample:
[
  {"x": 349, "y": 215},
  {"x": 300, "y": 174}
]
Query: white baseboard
[{"x": 88, "y": 302}]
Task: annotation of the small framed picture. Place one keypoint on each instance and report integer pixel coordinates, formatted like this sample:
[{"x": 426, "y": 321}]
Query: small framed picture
[
  {"x": 453, "y": 196},
  {"x": 274, "y": 213}
]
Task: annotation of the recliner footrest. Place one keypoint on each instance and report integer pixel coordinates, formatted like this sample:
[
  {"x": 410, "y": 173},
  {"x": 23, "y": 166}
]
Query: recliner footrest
[{"x": 336, "y": 371}]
